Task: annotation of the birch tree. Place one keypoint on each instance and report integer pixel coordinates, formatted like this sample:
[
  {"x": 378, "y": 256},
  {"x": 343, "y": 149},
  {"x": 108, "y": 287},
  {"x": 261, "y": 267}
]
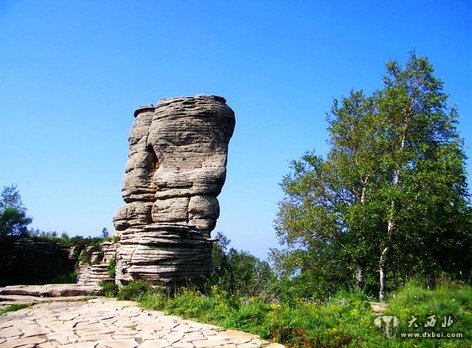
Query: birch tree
[{"x": 391, "y": 197}]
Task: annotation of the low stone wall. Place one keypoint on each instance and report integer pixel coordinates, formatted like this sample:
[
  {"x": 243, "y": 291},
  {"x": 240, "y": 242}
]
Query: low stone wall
[{"x": 25, "y": 260}]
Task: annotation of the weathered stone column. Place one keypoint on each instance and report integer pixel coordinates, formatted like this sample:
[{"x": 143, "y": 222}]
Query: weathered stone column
[{"x": 176, "y": 168}]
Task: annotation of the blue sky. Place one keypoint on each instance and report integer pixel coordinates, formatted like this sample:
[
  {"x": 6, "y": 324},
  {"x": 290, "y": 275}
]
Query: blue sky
[{"x": 73, "y": 72}]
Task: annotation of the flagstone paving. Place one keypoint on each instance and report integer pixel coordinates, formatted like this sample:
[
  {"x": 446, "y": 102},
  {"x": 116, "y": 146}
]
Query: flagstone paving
[{"x": 102, "y": 323}]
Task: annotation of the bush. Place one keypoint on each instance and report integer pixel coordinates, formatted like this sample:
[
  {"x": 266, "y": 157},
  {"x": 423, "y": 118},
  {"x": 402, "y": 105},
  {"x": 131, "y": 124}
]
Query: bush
[
  {"x": 239, "y": 273},
  {"x": 112, "y": 268},
  {"x": 345, "y": 320},
  {"x": 135, "y": 291},
  {"x": 108, "y": 289},
  {"x": 302, "y": 325}
]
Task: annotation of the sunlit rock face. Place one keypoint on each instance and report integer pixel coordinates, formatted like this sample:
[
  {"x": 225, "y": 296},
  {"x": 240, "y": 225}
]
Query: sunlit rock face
[{"x": 176, "y": 168}]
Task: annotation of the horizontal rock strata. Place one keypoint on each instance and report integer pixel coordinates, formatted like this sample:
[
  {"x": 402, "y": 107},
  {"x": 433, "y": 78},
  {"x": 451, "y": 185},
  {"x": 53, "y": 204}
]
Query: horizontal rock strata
[
  {"x": 175, "y": 170},
  {"x": 50, "y": 290},
  {"x": 25, "y": 260},
  {"x": 98, "y": 270}
]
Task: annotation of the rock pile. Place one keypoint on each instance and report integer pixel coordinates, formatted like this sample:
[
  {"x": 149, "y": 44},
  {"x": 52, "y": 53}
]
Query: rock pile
[{"x": 176, "y": 168}]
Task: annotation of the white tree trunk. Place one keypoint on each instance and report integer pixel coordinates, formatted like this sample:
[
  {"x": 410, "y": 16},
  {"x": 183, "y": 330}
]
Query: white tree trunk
[
  {"x": 391, "y": 218},
  {"x": 359, "y": 278},
  {"x": 383, "y": 275}
]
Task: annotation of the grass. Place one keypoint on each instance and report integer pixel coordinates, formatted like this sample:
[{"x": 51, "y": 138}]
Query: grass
[
  {"x": 14, "y": 307},
  {"x": 333, "y": 324},
  {"x": 134, "y": 291},
  {"x": 346, "y": 320},
  {"x": 447, "y": 310},
  {"x": 108, "y": 288}
]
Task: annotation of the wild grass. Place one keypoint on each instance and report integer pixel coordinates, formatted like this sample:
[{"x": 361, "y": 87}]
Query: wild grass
[
  {"x": 14, "y": 307},
  {"x": 135, "y": 291},
  {"x": 108, "y": 288},
  {"x": 332, "y": 324},
  {"x": 345, "y": 320},
  {"x": 446, "y": 309}
]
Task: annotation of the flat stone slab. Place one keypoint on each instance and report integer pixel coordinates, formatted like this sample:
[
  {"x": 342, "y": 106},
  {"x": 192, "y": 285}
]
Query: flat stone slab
[
  {"x": 6, "y": 300},
  {"x": 108, "y": 323},
  {"x": 378, "y": 307},
  {"x": 51, "y": 290}
]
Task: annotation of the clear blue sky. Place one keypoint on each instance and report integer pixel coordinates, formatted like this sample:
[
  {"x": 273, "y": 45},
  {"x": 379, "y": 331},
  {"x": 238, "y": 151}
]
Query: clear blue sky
[{"x": 72, "y": 73}]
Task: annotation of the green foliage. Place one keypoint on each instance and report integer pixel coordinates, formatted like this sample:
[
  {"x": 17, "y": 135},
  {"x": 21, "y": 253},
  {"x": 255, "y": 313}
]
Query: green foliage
[
  {"x": 108, "y": 288},
  {"x": 50, "y": 236},
  {"x": 64, "y": 238},
  {"x": 391, "y": 194},
  {"x": 134, "y": 291},
  {"x": 105, "y": 233},
  {"x": 345, "y": 320},
  {"x": 447, "y": 300},
  {"x": 336, "y": 323},
  {"x": 17, "y": 251},
  {"x": 112, "y": 268},
  {"x": 13, "y": 219},
  {"x": 239, "y": 273},
  {"x": 78, "y": 243},
  {"x": 114, "y": 239},
  {"x": 14, "y": 307},
  {"x": 82, "y": 247}
]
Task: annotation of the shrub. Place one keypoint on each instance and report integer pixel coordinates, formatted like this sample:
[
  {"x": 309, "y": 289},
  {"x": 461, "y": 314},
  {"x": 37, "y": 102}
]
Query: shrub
[
  {"x": 343, "y": 320},
  {"x": 239, "y": 273},
  {"x": 112, "y": 268},
  {"x": 108, "y": 289},
  {"x": 134, "y": 291}
]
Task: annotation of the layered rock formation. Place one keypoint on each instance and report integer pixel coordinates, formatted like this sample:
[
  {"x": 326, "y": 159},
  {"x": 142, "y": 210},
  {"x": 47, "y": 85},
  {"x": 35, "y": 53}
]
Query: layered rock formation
[
  {"x": 29, "y": 260},
  {"x": 176, "y": 168},
  {"x": 97, "y": 269}
]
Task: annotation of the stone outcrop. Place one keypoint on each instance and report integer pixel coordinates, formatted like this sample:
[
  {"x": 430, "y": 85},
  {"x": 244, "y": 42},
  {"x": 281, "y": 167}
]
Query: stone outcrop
[
  {"x": 30, "y": 260},
  {"x": 176, "y": 168},
  {"x": 48, "y": 290},
  {"x": 97, "y": 270}
]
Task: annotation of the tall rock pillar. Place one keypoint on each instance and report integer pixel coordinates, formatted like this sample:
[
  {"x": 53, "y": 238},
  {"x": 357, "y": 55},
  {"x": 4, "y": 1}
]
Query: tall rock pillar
[{"x": 176, "y": 168}]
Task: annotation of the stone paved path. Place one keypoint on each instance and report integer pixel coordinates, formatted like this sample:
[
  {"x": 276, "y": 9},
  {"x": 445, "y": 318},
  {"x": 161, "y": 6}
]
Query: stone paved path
[{"x": 103, "y": 322}]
